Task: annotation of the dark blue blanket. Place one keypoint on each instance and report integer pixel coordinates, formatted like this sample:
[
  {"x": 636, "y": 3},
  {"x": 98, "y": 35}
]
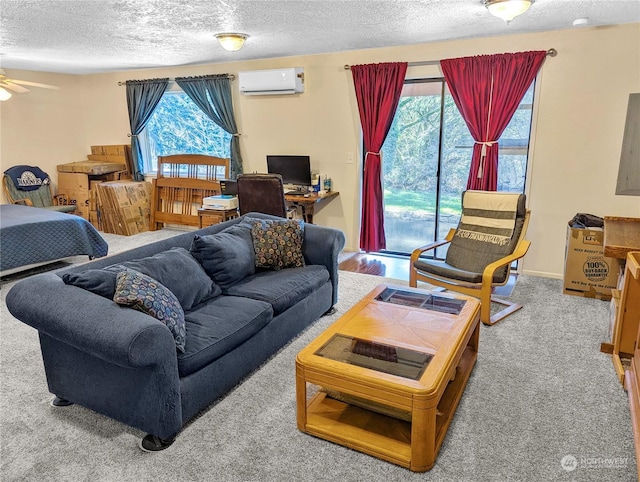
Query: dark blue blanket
[{"x": 32, "y": 235}]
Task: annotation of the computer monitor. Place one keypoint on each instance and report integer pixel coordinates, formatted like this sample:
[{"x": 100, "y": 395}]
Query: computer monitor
[{"x": 295, "y": 170}]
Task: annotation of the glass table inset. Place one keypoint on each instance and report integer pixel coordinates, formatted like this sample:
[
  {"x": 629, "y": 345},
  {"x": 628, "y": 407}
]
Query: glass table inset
[
  {"x": 381, "y": 357},
  {"x": 427, "y": 301}
]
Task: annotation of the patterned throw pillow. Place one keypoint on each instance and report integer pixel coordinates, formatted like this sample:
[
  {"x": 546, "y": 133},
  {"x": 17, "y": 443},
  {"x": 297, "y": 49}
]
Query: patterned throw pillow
[
  {"x": 278, "y": 244},
  {"x": 145, "y": 294}
]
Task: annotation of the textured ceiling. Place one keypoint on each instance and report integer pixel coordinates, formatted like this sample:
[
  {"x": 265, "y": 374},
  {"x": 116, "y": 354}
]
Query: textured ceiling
[{"x": 90, "y": 36}]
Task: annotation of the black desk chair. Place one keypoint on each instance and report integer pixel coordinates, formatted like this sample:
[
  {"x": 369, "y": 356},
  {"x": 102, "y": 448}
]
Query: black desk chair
[{"x": 261, "y": 193}]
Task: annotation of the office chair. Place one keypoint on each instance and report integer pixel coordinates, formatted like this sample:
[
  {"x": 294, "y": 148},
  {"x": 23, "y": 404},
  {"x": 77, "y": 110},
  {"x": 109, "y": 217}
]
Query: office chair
[
  {"x": 488, "y": 239},
  {"x": 261, "y": 193}
]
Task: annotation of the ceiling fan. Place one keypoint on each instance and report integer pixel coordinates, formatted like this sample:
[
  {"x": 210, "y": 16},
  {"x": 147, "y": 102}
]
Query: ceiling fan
[{"x": 15, "y": 85}]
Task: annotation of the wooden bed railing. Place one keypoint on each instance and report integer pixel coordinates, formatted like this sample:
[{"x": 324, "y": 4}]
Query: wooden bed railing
[{"x": 182, "y": 181}]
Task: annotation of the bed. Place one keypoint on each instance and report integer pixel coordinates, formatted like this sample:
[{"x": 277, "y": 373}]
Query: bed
[
  {"x": 182, "y": 182},
  {"x": 31, "y": 235}
]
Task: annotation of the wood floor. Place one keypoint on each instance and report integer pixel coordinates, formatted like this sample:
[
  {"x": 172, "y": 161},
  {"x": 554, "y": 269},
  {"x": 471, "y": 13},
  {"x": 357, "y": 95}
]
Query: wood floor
[
  {"x": 397, "y": 267},
  {"x": 381, "y": 265}
]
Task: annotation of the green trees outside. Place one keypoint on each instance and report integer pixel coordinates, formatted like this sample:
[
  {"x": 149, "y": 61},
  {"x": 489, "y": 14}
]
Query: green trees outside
[
  {"x": 178, "y": 126},
  {"x": 423, "y": 127}
]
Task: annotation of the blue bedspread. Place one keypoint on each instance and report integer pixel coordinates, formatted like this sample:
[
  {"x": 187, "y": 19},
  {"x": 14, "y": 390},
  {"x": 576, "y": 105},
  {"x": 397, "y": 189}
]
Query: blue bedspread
[{"x": 32, "y": 235}]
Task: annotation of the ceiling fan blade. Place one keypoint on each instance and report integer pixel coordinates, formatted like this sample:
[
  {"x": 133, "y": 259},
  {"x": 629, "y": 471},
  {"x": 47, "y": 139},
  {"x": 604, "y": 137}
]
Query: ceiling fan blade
[
  {"x": 14, "y": 87},
  {"x": 34, "y": 84}
]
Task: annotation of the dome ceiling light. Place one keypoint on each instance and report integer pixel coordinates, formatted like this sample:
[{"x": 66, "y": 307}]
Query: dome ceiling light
[
  {"x": 231, "y": 41},
  {"x": 507, "y": 10}
]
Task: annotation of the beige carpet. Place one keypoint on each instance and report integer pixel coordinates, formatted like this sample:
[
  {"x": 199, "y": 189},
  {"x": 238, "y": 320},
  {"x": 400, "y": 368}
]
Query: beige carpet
[{"x": 541, "y": 393}]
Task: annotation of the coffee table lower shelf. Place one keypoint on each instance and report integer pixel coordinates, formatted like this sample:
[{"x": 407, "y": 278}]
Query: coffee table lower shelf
[{"x": 380, "y": 435}]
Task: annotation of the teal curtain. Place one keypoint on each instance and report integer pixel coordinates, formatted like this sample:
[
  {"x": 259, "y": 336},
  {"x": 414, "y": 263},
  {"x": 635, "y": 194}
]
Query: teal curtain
[
  {"x": 142, "y": 98},
  {"x": 212, "y": 94}
]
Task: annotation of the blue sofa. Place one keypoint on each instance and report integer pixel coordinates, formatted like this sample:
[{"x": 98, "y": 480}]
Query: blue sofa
[{"x": 125, "y": 364}]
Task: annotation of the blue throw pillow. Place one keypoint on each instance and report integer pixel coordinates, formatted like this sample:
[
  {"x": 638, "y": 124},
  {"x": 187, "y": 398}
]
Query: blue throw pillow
[
  {"x": 278, "y": 244},
  {"x": 147, "y": 295},
  {"x": 98, "y": 281},
  {"x": 179, "y": 272},
  {"x": 227, "y": 256}
]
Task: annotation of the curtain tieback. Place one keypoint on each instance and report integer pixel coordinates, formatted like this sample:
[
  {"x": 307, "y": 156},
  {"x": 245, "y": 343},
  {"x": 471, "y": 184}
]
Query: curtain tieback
[
  {"x": 235, "y": 135},
  {"x": 374, "y": 153},
  {"x": 483, "y": 154}
]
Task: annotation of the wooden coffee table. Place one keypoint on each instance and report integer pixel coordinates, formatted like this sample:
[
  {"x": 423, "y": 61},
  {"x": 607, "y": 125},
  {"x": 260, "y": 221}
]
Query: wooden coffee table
[{"x": 389, "y": 374}]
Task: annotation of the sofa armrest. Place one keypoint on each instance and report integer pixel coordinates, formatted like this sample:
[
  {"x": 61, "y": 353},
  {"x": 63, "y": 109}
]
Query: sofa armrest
[
  {"x": 322, "y": 246},
  {"x": 90, "y": 323}
]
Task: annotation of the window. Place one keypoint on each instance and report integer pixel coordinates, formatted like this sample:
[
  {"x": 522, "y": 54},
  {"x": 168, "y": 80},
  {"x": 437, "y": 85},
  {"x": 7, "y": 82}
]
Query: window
[
  {"x": 426, "y": 159},
  {"x": 178, "y": 126}
]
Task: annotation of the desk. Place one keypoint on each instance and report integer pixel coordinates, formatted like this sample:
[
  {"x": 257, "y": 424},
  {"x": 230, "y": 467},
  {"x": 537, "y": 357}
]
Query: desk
[
  {"x": 311, "y": 203},
  {"x": 208, "y": 217}
]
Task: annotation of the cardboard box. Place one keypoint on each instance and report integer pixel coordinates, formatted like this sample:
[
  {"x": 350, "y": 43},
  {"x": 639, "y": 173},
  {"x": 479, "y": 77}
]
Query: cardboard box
[
  {"x": 587, "y": 272},
  {"x": 94, "y": 218},
  {"x": 72, "y": 180},
  {"x": 80, "y": 198},
  {"x": 124, "y": 206},
  {"x": 92, "y": 167}
]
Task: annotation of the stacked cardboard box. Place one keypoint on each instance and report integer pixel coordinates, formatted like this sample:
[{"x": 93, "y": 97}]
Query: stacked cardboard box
[
  {"x": 80, "y": 190},
  {"x": 124, "y": 206},
  {"x": 587, "y": 271},
  {"x": 77, "y": 180},
  {"x": 120, "y": 154}
]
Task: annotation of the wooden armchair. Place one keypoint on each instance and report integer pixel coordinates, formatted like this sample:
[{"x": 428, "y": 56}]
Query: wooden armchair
[
  {"x": 488, "y": 239},
  {"x": 42, "y": 197},
  {"x": 182, "y": 182}
]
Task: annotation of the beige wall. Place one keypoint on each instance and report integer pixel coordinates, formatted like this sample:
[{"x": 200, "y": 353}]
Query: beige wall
[{"x": 577, "y": 133}]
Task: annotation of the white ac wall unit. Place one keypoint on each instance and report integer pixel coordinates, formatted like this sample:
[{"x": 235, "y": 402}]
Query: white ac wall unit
[{"x": 272, "y": 82}]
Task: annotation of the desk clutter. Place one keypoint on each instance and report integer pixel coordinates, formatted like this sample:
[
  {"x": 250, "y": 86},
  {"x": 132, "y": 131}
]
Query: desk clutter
[{"x": 220, "y": 202}]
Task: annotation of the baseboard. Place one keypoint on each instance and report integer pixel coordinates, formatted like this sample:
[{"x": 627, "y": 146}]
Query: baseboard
[{"x": 543, "y": 274}]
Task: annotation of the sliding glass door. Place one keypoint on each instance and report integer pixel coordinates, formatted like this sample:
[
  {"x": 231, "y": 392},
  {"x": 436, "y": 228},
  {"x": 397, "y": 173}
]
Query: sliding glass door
[{"x": 426, "y": 159}]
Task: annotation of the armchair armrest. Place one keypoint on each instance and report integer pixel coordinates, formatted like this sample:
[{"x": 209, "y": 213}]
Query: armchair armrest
[
  {"x": 519, "y": 252},
  {"x": 60, "y": 200},
  {"x": 416, "y": 253}
]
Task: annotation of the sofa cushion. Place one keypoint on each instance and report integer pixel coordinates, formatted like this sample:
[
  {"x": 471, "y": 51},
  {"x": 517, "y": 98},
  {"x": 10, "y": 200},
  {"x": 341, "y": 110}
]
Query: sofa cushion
[
  {"x": 179, "y": 272},
  {"x": 99, "y": 281},
  {"x": 147, "y": 295},
  {"x": 278, "y": 243},
  {"x": 283, "y": 288},
  {"x": 227, "y": 256},
  {"x": 217, "y": 327}
]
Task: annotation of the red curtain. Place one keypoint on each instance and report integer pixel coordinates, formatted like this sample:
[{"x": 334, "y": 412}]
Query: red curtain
[
  {"x": 378, "y": 88},
  {"x": 487, "y": 90}
]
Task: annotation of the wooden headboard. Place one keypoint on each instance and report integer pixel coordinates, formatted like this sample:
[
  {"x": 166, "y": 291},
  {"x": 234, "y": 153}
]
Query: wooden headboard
[{"x": 182, "y": 181}]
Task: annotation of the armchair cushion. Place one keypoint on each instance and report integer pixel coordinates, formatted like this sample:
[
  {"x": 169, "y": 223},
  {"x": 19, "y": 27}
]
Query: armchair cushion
[
  {"x": 474, "y": 246},
  {"x": 441, "y": 268}
]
